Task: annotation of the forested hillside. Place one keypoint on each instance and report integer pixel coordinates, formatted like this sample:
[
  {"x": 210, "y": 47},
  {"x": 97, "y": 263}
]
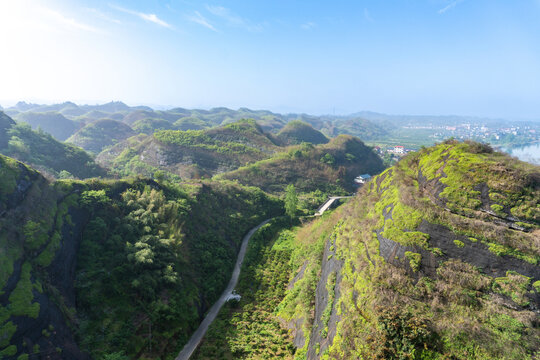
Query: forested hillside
[
  {"x": 99, "y": 134},
  {"x": 297, "y": 132},
  {"x": 191, "y": 153},
  {"x": 106, "y": 268},
  {"x": 330, "y": 168},
  {"x": 43, "y": 152},
  {"x": 50, "y": 122}
]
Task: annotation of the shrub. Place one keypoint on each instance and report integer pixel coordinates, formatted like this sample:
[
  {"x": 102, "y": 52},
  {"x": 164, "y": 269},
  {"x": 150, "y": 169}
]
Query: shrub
[
  {"x": 459, "y": 243},
  {"x": 414, "y": 260}
]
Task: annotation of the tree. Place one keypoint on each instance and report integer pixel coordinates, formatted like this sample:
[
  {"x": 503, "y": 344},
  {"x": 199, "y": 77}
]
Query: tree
[
  {"x": 291, "y": 201},
  {"x": 64, "y": 174},
  {"x": 328, "y": 159}
]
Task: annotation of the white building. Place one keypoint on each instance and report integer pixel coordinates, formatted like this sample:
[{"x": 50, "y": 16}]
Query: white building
[{"x": 362, "y": 179}]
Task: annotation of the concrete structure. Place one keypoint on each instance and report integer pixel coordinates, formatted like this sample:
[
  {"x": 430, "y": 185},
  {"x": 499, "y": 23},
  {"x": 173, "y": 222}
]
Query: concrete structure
[{"x": 362, "y": 179}]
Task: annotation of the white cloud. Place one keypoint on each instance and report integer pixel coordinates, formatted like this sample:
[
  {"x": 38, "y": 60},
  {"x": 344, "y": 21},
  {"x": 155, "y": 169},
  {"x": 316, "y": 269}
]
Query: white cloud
[
  {"x": 367, "y": 16},
  {"x": 67, "y": 21},
  {"x": 308, "y": 26},
  {"x": 449, "y": 6},
  {"x": 148, "y": 17},
  {"x": 103, "y": 16},
  {"x": 201, "y": 20},
  {"x": 232, "y": 19}
]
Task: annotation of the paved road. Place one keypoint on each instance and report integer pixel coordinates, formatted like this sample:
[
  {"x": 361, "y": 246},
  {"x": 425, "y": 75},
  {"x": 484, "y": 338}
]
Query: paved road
[
  {"x": 198, "y": 335},
  {"x": 329, "y": 203}
]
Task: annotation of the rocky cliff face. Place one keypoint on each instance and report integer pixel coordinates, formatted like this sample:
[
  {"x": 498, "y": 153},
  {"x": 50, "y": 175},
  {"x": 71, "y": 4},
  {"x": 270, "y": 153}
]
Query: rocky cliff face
[
  {"x": 38, "y": 266},
  {"x": 436, "y": 257}
]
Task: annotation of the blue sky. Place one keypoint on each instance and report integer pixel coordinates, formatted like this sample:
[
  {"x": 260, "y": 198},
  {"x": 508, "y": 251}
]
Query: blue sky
[{"x": 468, "y": 57}]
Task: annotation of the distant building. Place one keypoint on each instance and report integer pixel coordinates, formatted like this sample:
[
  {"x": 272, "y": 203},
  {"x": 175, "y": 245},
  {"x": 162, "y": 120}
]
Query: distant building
[
  {"x": 398, "y": 149},
  {"x": 362, "y": 179}
]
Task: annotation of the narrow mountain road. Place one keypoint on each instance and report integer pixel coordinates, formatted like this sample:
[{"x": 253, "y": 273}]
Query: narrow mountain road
[{"x": 198, "y": 335}]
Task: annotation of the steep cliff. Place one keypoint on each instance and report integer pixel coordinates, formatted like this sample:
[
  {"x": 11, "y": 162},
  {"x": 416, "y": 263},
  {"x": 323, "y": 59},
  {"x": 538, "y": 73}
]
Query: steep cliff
[
  {"x": 438, "y": 258},
  {"x": 435, "y": 258}
]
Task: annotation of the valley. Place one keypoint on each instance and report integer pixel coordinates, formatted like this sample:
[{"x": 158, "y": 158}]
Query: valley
[{"x": 125, "y": 249}]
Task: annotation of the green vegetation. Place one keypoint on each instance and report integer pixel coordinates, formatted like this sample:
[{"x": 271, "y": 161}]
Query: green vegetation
[
  {"x": 149, "y": 126},
  {"x": 158, "y": 254},
  {"x": 305, "y": 264},
  {"x": 416, "y": 322},
  {"x": 414, "y": 260},
  {"x": 459, "y": 243},
  {"x": 291, "y": 201},
  {"x": 9, "y": 173},
  {"x": 50, "y": 122},
  {"x": 513, "y": 285},
  {"x": 154, "y": 254},
  {"x": 302, "y": 166},
  {"x": 96, "y": 136},
  {"x": 191, "y": 153},
  {"x": 43, "y": 152},
  {"x": 448, "y": 310},
  {"x": 330, "y": 288},
  {"x": 21, "y": 297},
  {"x": 297, "y": 132},
  {"x": 250, "y": 328}
]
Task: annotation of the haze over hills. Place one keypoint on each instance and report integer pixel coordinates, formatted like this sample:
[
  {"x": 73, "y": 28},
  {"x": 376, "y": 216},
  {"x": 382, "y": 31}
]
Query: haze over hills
[
  {"x": 375, "y": 128},
  {"x": 45, "y": 153},
  {"x": 89, "y": 266},
  {"x": 97, "y": 135},
  {"x": 265, "y": 213}
]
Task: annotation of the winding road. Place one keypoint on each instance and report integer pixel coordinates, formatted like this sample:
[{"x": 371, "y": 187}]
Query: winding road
[{"x": 198, "y": 335}]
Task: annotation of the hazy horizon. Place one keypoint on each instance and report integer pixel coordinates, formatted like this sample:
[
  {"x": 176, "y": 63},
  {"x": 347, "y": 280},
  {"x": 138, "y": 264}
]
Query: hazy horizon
[
  {"x": 475, "y": 58},
  {"x": 7, "y": 105}
]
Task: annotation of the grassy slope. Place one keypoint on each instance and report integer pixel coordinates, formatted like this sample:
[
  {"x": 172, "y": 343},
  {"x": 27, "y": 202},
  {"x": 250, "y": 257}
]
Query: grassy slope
[
  {"x": 255, "y": 327},
  {"x": 330, "y": 167},
  {"x": 429, "y": 269},
  {"x": 417, "y": 300}
]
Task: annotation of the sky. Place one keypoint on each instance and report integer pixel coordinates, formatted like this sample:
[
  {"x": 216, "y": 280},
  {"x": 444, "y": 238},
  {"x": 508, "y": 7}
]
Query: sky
[{"x": 436, "y": 57}]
